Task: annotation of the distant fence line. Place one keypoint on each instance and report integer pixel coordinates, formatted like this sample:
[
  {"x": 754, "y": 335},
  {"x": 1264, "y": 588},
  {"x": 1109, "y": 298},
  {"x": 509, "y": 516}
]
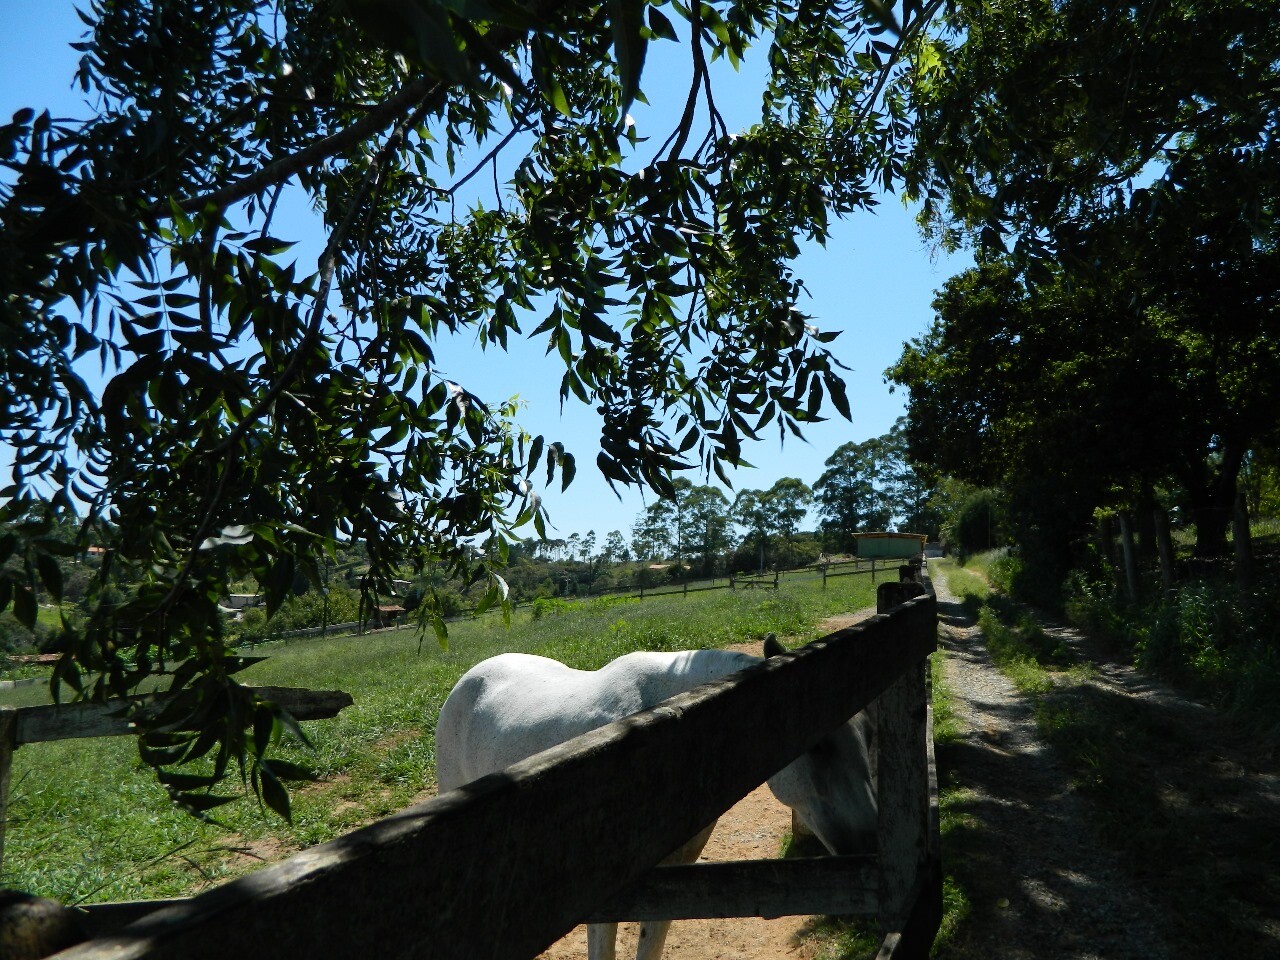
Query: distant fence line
[{"x": 875, "y": 566}]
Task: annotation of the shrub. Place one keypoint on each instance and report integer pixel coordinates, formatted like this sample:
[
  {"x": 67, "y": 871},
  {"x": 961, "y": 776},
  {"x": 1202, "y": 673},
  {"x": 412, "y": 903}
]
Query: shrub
[
  {"x": 545, "y": 606},
  {"x": 311, "y": 610}
]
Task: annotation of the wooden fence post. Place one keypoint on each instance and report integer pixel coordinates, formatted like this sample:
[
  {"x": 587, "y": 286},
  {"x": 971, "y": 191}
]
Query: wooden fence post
[
  {"x": 8, "y": 743},
  {"x": 903, "y": 782}
]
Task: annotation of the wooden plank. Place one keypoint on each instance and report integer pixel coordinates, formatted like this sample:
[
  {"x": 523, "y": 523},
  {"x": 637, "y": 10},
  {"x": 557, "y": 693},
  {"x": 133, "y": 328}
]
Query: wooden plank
[
  {"x": 70, "y": 721},
  {"x": 837, "y": 886},
  {"x": 99, "y": 919},
  {"x": 504, "y": 866},
  {"x": 902, "y": 835},
  {"x": 8, "y": 743},
  {"x": 840, "y": 886}
]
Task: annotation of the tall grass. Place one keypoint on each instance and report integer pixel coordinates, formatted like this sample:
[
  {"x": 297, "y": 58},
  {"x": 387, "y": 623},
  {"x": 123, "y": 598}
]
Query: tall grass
[{"x": 89, "y": 823}]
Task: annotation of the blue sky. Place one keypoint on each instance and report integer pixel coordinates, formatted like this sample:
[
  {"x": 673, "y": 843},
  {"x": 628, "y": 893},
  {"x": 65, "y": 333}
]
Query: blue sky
[{"x": 873, "y": 281}]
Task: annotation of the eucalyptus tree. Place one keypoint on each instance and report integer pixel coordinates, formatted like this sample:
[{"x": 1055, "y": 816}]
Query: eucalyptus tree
[
  {"x": 706, "y": 528},
  {"x": 776, "y": 512},
  {"x": 258, "y": 413},
  {"x": 850, "y": 494},
  {"x": 615, "y": 548}
]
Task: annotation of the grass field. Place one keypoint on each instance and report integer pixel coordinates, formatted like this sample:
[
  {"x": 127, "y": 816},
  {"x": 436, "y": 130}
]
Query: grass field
[{"x": 88, "y": 822}]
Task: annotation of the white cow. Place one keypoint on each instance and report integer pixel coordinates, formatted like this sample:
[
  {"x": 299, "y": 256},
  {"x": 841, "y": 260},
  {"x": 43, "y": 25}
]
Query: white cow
[{"x": 515, "y": 705}]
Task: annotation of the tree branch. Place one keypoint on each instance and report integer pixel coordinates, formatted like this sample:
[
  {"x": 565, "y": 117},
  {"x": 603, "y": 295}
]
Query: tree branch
[{"x": 414, "y": 92}]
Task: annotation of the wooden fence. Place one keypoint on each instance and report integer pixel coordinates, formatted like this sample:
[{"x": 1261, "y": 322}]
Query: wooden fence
[
  {"x": 502, "y": 867},
  {"x": 70, "y": 721},
  {"x": 826, "y": 571}
]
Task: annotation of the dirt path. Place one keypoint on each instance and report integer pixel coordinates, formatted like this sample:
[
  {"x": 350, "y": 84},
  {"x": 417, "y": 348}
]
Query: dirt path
[
  {"x": 1040, "y": 882},
  {"x": 1199, "y": 818}
]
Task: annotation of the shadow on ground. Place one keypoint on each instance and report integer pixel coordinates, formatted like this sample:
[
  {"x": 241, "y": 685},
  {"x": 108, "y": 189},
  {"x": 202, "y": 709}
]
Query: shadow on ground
[{"x": 1099, "y": 818}]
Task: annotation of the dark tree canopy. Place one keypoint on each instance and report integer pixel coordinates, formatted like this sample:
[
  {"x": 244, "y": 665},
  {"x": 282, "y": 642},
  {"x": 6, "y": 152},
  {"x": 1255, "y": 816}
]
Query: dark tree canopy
[{"x": 1138, "y": 145}]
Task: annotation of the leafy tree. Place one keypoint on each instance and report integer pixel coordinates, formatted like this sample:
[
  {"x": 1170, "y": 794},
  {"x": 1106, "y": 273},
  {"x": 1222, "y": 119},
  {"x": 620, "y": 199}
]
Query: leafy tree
[
  {"x": 849, "y": 493},
  {"x": 977, "y": 524},
  {"x": 651, "y": 533},
  {"x": 776, "y": 512},
  {"x": 1136, "y": 145},
  {"x": 258, "y": 415},
  {"x": 615, "y": 548},
  {"x": 873, "y": 485},
  {"x": 705, "y": 526},
  {"x": 1034, "y": 119},
  {"x": 907, "y": 490}
]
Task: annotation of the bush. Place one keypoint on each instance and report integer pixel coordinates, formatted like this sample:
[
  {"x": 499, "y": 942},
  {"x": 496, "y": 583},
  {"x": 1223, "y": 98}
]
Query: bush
[
  {"x": 978, "y": 524},
  {"x": 1211, "y": 636},
  {"x": 546, "y": 606},
  {"x": 252, "y": 625},
  {"x": 310, "y": 610}
]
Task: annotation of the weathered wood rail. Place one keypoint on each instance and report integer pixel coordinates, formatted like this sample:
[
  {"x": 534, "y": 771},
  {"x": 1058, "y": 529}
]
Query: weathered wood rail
[{"x": 504, "y": 866}]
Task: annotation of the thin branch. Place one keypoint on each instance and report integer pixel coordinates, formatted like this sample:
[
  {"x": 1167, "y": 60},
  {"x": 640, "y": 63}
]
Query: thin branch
[
  {"x": 518, "y": 128},
  {"x": 926, "y": 16},
  {"x": 381, "y": 117},
  {"x": 681, "y": 134}
]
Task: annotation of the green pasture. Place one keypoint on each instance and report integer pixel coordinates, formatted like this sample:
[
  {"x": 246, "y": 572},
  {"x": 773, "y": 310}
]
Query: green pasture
[{"x": 88, "y": 822}]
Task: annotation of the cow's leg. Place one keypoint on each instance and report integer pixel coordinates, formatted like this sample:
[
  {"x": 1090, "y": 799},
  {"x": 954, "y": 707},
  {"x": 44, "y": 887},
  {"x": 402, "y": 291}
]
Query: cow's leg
[
  {"x": 602, "y": 940},
  {"x": 653, "y": 933}
]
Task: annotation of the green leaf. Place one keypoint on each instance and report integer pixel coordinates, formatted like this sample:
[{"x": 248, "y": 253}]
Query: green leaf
[
  {"x": 535, "y": 455},
  {"x": 269, "y": 246},
  {"x": 555, "y": 95},
  {"x": 661, "y": 26},
  {"x": 185, "y": 782},
  {"x": 198, "y": 803},
  {"x": 273, "y": 793},
  {"x": 50, "y": 575},
  {"x": 626, "y": 18},
  {"x": 25, "y": 607}
]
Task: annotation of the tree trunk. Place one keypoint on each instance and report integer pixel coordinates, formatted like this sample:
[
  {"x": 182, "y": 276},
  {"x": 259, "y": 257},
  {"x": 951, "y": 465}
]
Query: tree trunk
[
  {"x": 1106, "y": 544},
  {"x": 1130, "y": 561},
  {"x": 1213, "y": 501},
  {"x": 1243, "y": 542},
  {"x": 1164, "y": 540},
  {"x": 1211, "y": 530}
]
